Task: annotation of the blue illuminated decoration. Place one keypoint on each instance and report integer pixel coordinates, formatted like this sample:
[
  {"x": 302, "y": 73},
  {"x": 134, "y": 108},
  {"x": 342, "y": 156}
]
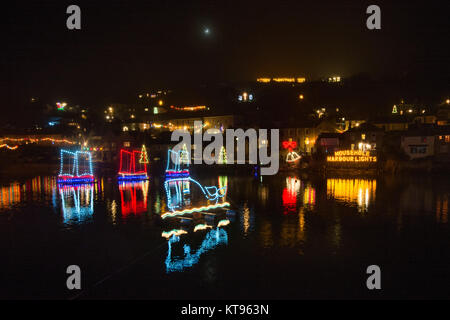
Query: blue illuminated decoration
[
  {"x": 182, "y": 186},
  {"x": 73, "y": 174},
  {"x": 212, "y": 239},
  {"x": 180, "y": 166},
  {"x": 77, "y": 202},
  {"x": 131, "y": 178}
]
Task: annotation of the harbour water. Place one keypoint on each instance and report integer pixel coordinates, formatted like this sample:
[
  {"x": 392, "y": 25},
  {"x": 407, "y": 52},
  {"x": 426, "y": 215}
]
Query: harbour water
[{"x": 289, "y": 236}]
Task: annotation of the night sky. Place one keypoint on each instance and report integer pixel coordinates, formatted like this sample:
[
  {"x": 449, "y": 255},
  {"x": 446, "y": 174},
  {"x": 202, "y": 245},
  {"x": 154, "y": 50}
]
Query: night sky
[{"x": 128, "y": 46}]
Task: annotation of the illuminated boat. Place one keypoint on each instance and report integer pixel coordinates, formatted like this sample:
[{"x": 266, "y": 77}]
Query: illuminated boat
[
  {"x": 133, "y": 165},
  {"x": 177, "y": 163},
  {"x": 179, "y": 194},
  {"x": 76, "y": 167}
]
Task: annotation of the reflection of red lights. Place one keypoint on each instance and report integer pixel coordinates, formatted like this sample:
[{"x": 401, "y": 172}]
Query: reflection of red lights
[
  {"x": 133, "y": 197},
  {"x": 290, "y": 195}
]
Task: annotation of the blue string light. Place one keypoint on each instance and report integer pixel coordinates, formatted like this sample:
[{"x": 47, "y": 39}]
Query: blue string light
[{"x": 75, "y": 176}]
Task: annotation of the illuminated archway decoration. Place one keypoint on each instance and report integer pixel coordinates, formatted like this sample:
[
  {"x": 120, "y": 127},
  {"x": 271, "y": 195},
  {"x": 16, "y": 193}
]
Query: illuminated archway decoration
[
  {"x": 292, "y": 156},
  {"x": 76, "y": 167},
  {"x": 130, "y": 168}
]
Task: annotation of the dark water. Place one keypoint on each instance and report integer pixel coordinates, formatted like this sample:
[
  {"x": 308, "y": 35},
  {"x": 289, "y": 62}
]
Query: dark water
[{"x": 291, "y": 237}]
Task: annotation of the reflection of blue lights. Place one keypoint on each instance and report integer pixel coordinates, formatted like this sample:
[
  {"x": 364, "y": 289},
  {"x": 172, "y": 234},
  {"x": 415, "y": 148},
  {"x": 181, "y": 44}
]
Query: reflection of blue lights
[
  {"x": 83, "y": 202},
  {"x": 212, "y": 239}
]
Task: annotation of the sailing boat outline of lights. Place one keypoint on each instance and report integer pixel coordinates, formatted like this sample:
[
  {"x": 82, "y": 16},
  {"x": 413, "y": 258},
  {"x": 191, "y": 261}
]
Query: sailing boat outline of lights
[
  {"x": 128, "y": 163},
  {"x": 292, "y": 156},
  {"x": 74, "y": 176},
  {"x": 176, "y": 170},
  {"x": 211, "y": 193}
]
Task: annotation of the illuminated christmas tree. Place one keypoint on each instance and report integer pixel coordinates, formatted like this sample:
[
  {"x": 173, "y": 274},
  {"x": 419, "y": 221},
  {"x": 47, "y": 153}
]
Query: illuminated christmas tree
[
  {"x": 394, "y": 109},
  {"x": 184, "y": 155},
  {"x": 223, "y": 155},
  {"x": 144, "y": 155}
]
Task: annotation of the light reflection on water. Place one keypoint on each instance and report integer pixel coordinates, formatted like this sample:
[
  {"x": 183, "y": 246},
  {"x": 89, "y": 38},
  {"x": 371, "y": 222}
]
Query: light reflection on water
[
  {"x": 298, "y": 193},
  {"x": 190, "y": 257},
  {"x": 352, "y": 191},
  {"x": 133, "y": 197},
  {"x": 77, "y": 203},
  {"x": 290, "y": 212}
]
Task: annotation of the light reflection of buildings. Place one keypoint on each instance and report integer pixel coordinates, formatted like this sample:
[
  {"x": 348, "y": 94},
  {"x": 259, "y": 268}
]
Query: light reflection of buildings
[
  {"x": 442, "y": 208},
  {"x": 266, "y": 234},
  {"x": 77, "y": 203},
  {"x": 190, "y": 257},
  {"x": 32, "y": 190},
  {"x": 309, "y": 196},
  {"x": 352, "y": 191},
  {"x": 247, "y": 220},
  {"x": 294, "y": 190},
  {"x": 223, "y": 182},
  {"x": 133, "y": 197},
  {"x": 10, "y": 195}
]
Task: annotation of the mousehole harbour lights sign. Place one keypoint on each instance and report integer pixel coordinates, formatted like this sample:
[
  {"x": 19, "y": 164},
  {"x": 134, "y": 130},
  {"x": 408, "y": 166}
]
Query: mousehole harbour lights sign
[{"x": 352, "y": 156}]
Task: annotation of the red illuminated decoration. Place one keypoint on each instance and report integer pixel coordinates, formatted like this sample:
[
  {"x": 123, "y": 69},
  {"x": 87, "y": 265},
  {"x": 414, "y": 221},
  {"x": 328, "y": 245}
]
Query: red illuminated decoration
[
  {"x": 131, "y": 166},
  {"x": 292, "y": 156},
  {"x": 289, "y": 145}
]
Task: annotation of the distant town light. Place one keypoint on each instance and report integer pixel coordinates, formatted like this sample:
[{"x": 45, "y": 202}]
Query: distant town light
[
  {"x": 447, "y": 101},
  {"x": 283, "y": 79},
  {"x": 301, "y": 97},
  {"x": 160, "y": 102}
]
